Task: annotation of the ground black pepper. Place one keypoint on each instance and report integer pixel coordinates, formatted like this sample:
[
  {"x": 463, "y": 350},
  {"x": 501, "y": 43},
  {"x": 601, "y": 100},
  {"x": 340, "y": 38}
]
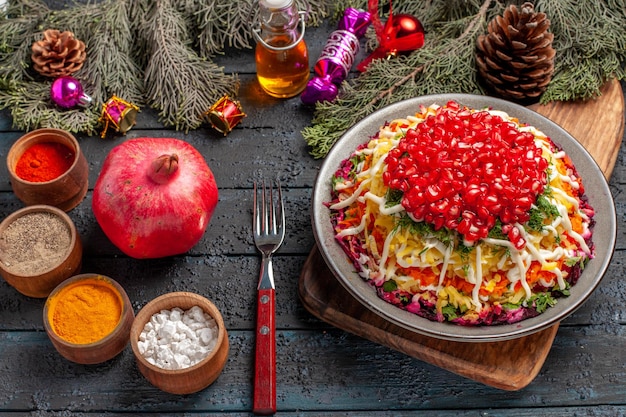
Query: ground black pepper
[{"x": 34, "y": 244}]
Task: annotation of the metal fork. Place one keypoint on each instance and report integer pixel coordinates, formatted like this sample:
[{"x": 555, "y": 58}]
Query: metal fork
[{"x": 268, "y": 223}]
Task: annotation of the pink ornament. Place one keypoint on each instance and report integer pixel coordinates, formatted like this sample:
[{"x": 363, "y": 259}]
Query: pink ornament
[
  {"x": 67, "y": 92},
  {"x": 119, "y": 113},
  {"x": 336, "y": 59}
]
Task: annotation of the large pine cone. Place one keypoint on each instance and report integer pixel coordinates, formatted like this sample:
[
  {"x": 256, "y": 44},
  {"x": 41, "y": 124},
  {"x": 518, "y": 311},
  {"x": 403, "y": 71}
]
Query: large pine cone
[
  {"x": 58, "y": 54},
  {"x": 515, "y": 58}
]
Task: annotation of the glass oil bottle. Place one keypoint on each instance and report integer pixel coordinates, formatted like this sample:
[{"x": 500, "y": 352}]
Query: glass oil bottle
[{"x": 282, "y": 57}]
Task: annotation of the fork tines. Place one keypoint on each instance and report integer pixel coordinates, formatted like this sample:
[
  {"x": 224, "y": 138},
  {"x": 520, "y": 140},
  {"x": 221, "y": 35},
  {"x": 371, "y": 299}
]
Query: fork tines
[{"x": 269, "y": 212}]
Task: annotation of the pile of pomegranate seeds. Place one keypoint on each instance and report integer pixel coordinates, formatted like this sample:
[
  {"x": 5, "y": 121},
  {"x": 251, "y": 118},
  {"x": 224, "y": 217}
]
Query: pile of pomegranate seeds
[{"x": 463, "y": 170}]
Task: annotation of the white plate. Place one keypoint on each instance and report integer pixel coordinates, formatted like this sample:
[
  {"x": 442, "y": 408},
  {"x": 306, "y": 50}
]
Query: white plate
[{"x": 596, "y": 189}]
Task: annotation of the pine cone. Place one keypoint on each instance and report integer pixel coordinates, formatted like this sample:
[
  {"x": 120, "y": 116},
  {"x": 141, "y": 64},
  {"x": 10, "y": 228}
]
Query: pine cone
[
  {"x": 58, "y": 54},
  {"x": 515, "y": 58}
]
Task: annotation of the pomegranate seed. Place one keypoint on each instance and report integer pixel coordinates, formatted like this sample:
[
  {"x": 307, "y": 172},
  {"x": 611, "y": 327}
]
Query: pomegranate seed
[
  {"x": 438, "y": 222},
  {"x": 516, "y": 238},
  {"x": 483, "y": 213},
  {"x": 454, "y": 211},
  {"x": 440, "y": 207}
]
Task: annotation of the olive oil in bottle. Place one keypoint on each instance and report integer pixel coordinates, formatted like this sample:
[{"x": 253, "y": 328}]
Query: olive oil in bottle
[{"x": 282, "y": 57}]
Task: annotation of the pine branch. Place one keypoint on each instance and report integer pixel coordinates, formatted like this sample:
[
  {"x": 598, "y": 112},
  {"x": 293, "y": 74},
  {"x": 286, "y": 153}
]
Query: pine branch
[
  {"x": 179, "y": 83},
  {"x": 30, "y": 111},
  {"x": 17, "y": 34},
  {"x": 448, "y": 61},
  {"x": 110, "y": 68},
  {"x": 590, "y": 45},
  {"x": 26, "y": 93},
  {"x": 220, "y": 24},
  {"x": 138, "y": 11}
]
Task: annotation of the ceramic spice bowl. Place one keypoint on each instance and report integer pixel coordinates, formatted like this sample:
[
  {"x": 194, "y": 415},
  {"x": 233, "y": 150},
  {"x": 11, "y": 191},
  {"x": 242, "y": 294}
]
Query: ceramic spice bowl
[
  {"x": 88, "y": 318},
  {"x": 47, "y": 166},
  {"x": 39, "y": 248},
  {"x": 187, "y": 379}
]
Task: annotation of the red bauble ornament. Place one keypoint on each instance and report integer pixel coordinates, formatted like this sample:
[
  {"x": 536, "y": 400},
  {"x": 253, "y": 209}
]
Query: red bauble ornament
[
  {"x": 404, "y": 34},
  {"x": 401, "y": 34}
]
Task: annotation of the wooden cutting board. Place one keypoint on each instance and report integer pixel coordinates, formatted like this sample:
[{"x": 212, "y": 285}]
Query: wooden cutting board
[{"x": 509, "y": 365}]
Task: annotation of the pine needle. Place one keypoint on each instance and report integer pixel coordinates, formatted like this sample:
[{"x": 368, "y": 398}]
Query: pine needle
[
  {"x": 109, "y": 68},
  {"x": 17, "y": 29},
  {"x": 221, "y": 25},
  {"x": 30, "y": 111},
  {"x": 179, "y": 83},
  {"x": 590, "y": 44}
]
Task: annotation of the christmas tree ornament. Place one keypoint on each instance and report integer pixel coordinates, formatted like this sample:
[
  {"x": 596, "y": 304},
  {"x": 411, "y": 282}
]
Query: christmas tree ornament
[
  {"x": 337, "y": 57},
  {"x": 67, "y": 92},
  {"x": 119, "y": 113},
  {"x": 225, "y": 114},
  {"x": 515, "y": 59},
  {"x": 58, "y": 54},
  {"x": 401, "y": 34}
]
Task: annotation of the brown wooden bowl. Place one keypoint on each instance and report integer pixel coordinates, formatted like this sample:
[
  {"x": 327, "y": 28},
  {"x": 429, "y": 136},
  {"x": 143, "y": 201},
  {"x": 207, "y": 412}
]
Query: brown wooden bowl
[
  {"x": 41, "y": 282},
  {"x": 65, "y": 191},
  {"x": 193, "y": 378},
  {"x": 100, "y": 350}
]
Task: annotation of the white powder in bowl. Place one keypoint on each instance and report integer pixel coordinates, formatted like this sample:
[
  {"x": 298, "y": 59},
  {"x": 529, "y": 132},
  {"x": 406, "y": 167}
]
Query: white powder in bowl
[{"x": 177, "y": 339}]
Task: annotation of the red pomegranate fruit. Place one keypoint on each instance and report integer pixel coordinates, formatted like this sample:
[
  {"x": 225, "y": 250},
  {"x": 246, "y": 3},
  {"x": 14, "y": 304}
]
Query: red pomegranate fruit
[{"x": 154, "y": 197}]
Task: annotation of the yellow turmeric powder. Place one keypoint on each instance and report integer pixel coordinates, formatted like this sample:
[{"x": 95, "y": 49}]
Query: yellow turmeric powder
[{"x": 85, "y": 312}]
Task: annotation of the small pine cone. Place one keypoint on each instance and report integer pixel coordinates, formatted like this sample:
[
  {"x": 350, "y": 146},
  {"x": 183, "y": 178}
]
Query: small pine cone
[
  {"x": 58, "y": 54},
  {"x": 515, "y": 58}
]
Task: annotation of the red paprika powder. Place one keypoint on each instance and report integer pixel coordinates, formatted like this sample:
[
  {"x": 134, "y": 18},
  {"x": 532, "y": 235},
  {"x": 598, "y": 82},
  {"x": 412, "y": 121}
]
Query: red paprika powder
[{"x": 44, "y": 161}]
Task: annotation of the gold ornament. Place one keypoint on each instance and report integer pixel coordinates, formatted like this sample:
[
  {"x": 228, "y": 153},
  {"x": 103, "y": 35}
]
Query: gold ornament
[{"x": 119, "y": 113}]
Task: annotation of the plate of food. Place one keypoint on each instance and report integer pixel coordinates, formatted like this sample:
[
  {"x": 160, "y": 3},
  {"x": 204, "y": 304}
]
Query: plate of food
[{"x": 464, "y": 217}]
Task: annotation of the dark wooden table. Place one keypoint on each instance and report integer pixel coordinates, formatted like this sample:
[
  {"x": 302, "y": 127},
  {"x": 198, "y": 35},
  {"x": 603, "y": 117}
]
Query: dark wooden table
[{"x": 322, "y": 371}]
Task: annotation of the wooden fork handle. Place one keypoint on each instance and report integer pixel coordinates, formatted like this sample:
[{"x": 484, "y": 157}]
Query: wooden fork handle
[{"x": 265, "y": 354}]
